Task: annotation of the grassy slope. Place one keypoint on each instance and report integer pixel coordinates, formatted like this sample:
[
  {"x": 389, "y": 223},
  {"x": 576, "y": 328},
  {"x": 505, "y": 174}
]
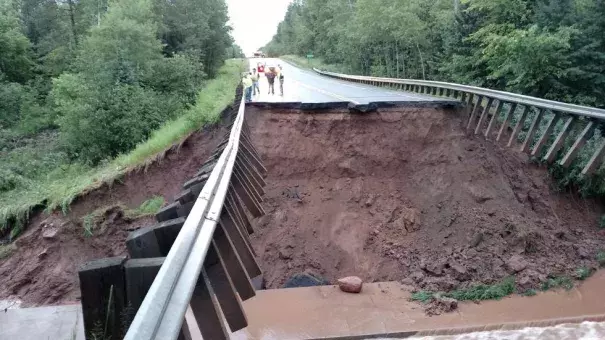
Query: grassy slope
[{"x": 64, "y": 184}]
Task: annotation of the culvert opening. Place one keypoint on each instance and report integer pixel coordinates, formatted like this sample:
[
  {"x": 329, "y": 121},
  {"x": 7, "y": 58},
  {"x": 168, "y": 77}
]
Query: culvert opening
[{"x": 403, "y": 194}]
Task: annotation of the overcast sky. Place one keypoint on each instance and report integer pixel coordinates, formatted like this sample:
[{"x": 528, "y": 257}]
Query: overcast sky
[{"x": 255, "y": 22}]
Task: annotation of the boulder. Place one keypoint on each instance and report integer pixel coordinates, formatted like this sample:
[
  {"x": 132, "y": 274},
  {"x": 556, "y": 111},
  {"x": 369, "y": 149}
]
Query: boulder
[
  {"x": 350, "y": 284},
  {"x": 516, "y": 264}
]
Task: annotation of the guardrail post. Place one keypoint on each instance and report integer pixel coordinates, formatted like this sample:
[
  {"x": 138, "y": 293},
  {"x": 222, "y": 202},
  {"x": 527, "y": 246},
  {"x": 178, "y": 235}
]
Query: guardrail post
[
  {"x": 580, "y": 141},
  {"x": 493, "y": 119},
  {"x": 224, "y": 289},
  {"x": 509, "y": 114},
  {"x": 206, "y": 310},
  {"x": 103, "y": 297},
  {"x": 558, "y": 143},
  {"x": 595, "y": 161},
  {"x": 476, "y": 109},
  {"x": 518, "y": 126},
  {"x": 483, "y": 115},
  {"x": 532, "y": 131},
  {"x": 547, "y": 132}
]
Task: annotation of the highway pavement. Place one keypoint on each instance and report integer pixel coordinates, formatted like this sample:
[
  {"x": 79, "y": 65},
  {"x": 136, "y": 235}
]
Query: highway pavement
[{"x": 306, "y": 86}]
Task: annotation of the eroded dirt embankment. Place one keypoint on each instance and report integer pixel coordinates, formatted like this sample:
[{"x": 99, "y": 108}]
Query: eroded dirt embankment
[
  {"x": 43, "y": 269},
  {"x": 404, "y": 194}
]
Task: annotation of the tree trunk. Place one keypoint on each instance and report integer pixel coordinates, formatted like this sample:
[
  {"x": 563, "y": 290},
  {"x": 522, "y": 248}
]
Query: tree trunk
[
  {"x": 397, "y": 58},
  {"x": 421, "y": 61},
  {"x": 73, "y": 21}
]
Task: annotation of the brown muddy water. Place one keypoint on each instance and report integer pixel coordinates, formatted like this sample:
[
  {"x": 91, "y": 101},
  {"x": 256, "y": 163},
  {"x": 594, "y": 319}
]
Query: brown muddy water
[{"x": 385, "y": 308}]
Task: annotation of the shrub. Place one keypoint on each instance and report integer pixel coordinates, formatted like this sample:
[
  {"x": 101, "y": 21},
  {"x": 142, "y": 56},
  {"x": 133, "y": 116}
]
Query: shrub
[
  {"x": 495, "y": 291},
  {"x": 583, "y": 273},
  {"x": 601, "y": 258}
]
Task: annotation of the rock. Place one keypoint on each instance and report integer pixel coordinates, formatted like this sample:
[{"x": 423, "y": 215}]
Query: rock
[
  {"x": 411, "y": 219},
  {"x": 476, "y": 240},
  {"x": 459, "y": 272},
  {"x": 434, "y": 267},
  {"x": 408, "y": 281},
  {"x": 370, "y": 200},
  {"x": 581, "y": 251},
  {"x": 440, "y": 305},
  {"x": 479, "y": 194},
  {"x": 516, "y": 264},
  {"x": 307, "y": 279},
  {"x": 350, "y": 284},
  {"x": 50, "y": 233},
  {"x": 439, "y": 283},
  {"x": 417, "y": 276},
  {"x": 43, "y": 254},
  {"x": 285, "y": 254}
]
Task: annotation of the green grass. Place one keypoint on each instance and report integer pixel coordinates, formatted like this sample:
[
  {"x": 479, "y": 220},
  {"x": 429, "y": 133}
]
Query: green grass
[
  {"x": 495, "y": 291},
  {"x": 583, "y": 273},
  {"x": 60, "y": 187},
  {"x": 557, "y": 282},
  {"x": 91, "y": 221},
  {"x": 6, "y": 250},
  {"x": 422, "y": 296},
  {"x": 479, "y": 292},
  {"x": 530, "y": 292},
  {"x": 147, "y": 208}
]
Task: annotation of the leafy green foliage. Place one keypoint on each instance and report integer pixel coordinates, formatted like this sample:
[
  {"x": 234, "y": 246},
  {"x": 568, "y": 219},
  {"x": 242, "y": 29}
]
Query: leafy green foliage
[
  {"x": 45, "y": 174},
  {"x": 6, "y": 250},
  {"x": 601, "y": 258},
  {"x": 583, "y": 273},
  {"x": 530, "y": 292},
  {"x": 557, "y": 282},
  {"x": 546, "y": 48},
  {"x": 479, "y": 292},
  {"x": 149, "y": 207},
  {"x": 422, "y": 296}
]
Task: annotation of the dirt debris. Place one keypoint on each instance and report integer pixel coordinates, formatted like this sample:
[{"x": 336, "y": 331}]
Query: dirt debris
[
  {"x": 414, "y": 199},
  {"x": 43, "y": 270}
]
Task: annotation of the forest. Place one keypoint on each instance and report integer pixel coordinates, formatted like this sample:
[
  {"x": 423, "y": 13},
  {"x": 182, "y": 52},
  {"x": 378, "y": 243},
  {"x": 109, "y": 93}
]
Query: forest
[
  {"x": 85, "y": 81},
  {"x": 553, "y": 49}
]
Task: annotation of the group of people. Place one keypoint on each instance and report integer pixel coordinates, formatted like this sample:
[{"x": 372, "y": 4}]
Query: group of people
[{"x": 251, "y": 81}]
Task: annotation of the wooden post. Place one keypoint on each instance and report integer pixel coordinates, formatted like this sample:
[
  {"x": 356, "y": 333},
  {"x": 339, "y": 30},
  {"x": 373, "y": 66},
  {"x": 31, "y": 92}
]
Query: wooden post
[
  {"x": 98, "y": 280},
  {"x": 518, "y": 126},
  {"x": 556, "y": 146},
  {"x": 509, "y": 113}
]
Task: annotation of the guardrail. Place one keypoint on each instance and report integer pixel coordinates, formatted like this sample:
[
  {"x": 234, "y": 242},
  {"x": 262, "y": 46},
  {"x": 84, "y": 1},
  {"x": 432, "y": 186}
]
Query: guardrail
[
  {"x": 487, "y": 105},
  {"x": 199, "y": 257}
]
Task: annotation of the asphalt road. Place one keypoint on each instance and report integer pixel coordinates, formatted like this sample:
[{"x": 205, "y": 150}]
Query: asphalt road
[{"x": 306, "y": 86}]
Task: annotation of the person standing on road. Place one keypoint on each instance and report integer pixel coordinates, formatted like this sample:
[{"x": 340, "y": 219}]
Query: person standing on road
[
  {"x": 255, "y": 79},
  {"x": 247, "y": 84},
  {"x": 270, "y": 74},
  {"x": 280, "y": 76}
]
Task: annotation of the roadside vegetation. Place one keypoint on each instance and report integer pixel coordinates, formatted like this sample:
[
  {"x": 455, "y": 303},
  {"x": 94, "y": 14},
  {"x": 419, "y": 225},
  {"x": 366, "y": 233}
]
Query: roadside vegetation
[
  {"x": 551, "y": 49},
  {"x": 502, "y": 288},
  {"x": 92, "y": 221},
  {"x": 91, "y": 89}
]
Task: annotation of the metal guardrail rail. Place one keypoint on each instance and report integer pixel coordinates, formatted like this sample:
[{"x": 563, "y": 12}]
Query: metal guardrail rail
[
  {"x": 198, "y": 258},
  {"x": 487, "y": 105},
  {"x": 186, "y": 278}
]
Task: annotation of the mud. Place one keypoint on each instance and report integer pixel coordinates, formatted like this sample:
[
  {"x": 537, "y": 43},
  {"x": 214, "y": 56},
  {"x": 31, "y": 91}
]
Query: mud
[
  {"x": 44, "y": 268},
  {"x": 406, "y": 195}
]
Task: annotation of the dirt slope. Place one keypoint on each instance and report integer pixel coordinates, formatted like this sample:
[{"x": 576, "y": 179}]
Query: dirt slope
[
  {"x": 406, "y": 195},
  {"x": 43, "y": 270}
]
